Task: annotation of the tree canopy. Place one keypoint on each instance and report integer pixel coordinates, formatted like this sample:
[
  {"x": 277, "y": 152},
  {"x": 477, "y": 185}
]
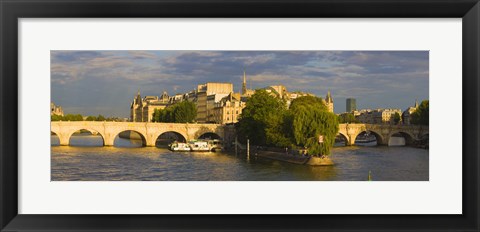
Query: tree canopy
[
  {"x": 347, "y": 118},
  {"x": 262, "y": 120},
  {"x": 182, "y": 112},
  {"x": 310, "y": 120},
  {"x": 67, "y": 117},
  {"x": 98, "y": 118},
  {"x": 79, "y": 117},
  {"x": 266, "y": 121},
  {"x": 396, "y": 118},
  {"x": 421, "y": 115}
]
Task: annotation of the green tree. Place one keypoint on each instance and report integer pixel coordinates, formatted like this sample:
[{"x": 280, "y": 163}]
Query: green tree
[
  {"x": 72, "y": 117},
  {"x": 421, "y": 115},
  {"x": 396, "y": 118},
  {"x": 185, "y": 112},
  {"x": 347, "y": 118},
  {"x": 55, "y": 117},
  {"x": 310, "y": 120},
  {"x": 156, "y": 115},
  {"x": 182, "y": 112},
  {"x": 262, "y": 120},
  {"x": 100, "y": 118},
  {"x": 91, "y": 118}
]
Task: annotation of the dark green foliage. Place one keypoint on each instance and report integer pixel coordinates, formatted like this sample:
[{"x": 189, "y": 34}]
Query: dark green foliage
[
  {"x": 262, "y": 120},
  {"x": 68, "y": 117},
  {"x": 311, "y": 119},
  {"x": 55, "y": 117},
  {"x": 421, "y": 115},
  {"x": 182, "y": 112},
  {"x": 266, "y": 121},
  {"x": 308, "y": 101},
  {"x": 79, "y": 117},
  {"x": 100, "y": 118},
  {"x": 91, "y": 118},
  {"x": 396, "y": 118},
  {"x": 347, "y": 118},
  {"x": 185, "y": 112}
]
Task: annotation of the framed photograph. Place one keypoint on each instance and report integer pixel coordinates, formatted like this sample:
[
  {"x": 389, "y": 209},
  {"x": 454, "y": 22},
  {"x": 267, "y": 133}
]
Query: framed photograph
[{"x": 277, "y": 115}]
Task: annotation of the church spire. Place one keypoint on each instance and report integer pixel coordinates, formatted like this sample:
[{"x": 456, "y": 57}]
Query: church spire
[
  {"x": 329, "y": 102},
  {"x": 328, "y": 98},
  {"x": 244, "y": 85},
  {"x": 416, "y": 103}
]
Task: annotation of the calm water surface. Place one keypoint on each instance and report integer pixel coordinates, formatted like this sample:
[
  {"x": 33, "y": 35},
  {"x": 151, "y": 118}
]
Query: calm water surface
[{"x": 125, "y": 162}]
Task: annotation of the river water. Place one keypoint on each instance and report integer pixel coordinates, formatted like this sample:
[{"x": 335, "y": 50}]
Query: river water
[{"x": 128, "y": 162}]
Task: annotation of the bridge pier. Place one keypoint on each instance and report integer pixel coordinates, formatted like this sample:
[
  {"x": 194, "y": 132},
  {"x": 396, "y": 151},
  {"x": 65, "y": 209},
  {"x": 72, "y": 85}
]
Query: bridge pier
[
  {"x": 108, "y": 140},
  {"x": 151, "y": 142},
  {"x": 64, "y": 139}
]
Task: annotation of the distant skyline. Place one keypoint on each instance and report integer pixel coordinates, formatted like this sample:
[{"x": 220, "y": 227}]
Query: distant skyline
[{"x": 105, "y": 82}]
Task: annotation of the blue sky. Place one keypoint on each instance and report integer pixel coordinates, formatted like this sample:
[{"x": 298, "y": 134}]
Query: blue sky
[{"x": 105, "y": 82}]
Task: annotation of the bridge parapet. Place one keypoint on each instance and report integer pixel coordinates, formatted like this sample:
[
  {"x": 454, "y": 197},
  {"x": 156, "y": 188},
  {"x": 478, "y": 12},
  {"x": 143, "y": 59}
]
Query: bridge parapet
[{"x": 149, "y": 131}]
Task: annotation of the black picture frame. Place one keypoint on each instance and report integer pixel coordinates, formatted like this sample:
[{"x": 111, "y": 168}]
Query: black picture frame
[{"x": 11, "y": 11}]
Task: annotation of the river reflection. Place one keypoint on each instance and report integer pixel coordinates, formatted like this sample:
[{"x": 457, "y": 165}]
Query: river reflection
[{"x": 124, "y": 162}]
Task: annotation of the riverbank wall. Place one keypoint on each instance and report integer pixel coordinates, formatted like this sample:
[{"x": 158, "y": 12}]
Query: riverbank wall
[{"x": 295, "y": 158}]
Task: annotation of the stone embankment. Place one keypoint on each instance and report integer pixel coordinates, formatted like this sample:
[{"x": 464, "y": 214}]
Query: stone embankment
[{"x": 295, "y": 159}]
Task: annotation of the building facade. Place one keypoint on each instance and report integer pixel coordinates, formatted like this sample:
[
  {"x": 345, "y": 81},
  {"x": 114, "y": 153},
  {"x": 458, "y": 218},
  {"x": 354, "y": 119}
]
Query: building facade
[
  {"x": 142, "y": 109},
  {"x": 377, "y": 116},
  {"x": 351, "y": 104},
  {"x": 407, "y": 114},
  {"x": 228, "y": 109},
  {"x": 55, "y": 110},
  {"x": 203, "y": 91}
]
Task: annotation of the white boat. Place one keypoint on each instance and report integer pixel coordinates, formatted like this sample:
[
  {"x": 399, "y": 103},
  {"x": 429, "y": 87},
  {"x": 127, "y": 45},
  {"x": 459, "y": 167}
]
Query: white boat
[
  {"x": 179, "y": 147},
  {"x": 215, "y": 144},
  {"x": 199, "y": 146}
]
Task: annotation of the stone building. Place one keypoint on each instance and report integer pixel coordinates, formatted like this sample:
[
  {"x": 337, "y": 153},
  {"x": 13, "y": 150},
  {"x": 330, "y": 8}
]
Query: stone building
[
  {"x": 204, "y": 90},
  {"x": 211, "y": 100},
  {"x": 378, "y": 116},
  {"x": 55, "y": 110},
  {"x": 407, "y": 114},
  {"x": 141, "y": 110},
  {"x": 228, "y": 109},
  {"x": 279, "y": 91}
]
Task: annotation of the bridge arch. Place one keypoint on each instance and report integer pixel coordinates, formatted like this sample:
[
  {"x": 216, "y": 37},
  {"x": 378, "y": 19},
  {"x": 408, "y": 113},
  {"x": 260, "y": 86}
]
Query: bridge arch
[
  {"x": 409, "y": 138},
  {"x": 344, "y": 137},
  {"x": 89, "y": 143},
  {"x": 378, "y": 136},
  {"x": 166, "y": 137},
  {"x": 54, "y": 139},
  {"x": 134, "y": 136},
  {"x": 209, "y": 135},
  {"x": 204, "y": 132}
]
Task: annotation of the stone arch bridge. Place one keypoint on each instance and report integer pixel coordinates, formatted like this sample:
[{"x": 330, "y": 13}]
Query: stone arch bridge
[
  {"x": 148, "y": 131},
  {"x": 151, "y": 131},
  {"x": 382, "y": 132}
]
